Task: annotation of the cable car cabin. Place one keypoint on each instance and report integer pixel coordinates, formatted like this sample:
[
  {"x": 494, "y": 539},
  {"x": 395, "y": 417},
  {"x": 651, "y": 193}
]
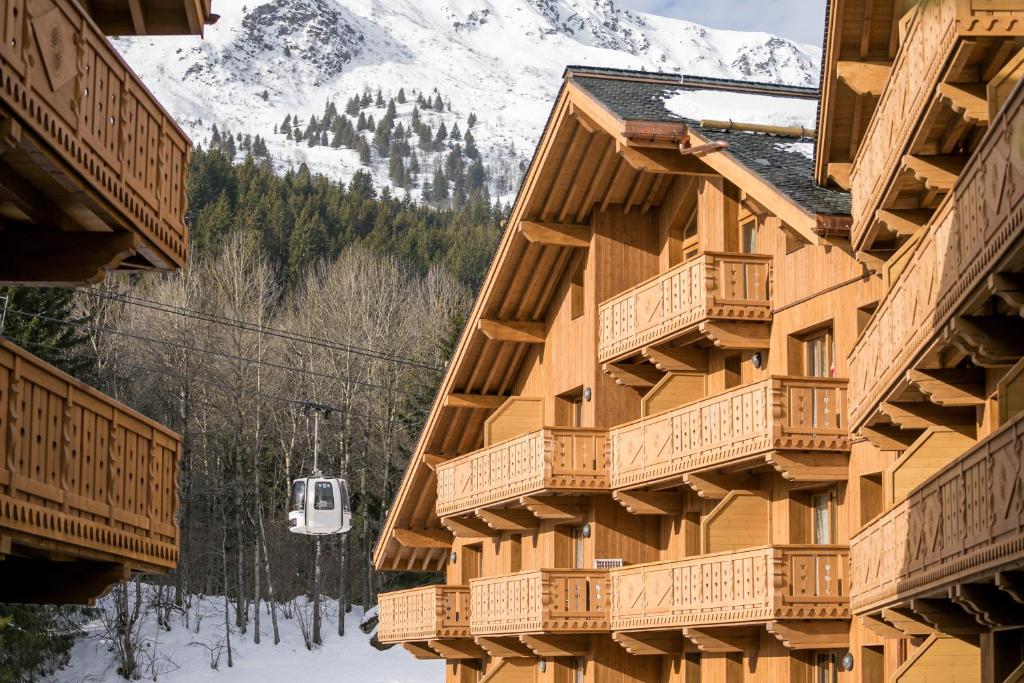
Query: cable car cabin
[{"x": 319, "y": 507}]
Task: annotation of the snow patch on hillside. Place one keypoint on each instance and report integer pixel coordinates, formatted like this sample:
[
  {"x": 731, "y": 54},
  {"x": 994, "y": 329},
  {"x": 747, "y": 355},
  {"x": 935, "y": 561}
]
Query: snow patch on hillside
[{"x": 183, "y": 656}]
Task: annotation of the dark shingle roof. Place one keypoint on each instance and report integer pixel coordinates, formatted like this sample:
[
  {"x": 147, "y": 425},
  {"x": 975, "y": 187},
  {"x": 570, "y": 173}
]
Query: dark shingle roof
[
  {"x": 640, "y": 96},
  {"x": 777, "y": 160}
]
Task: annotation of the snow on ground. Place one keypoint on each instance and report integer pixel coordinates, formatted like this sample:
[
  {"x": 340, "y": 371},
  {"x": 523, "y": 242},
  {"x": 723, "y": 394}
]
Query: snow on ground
[
  {"x": 183, "y": 656},
  {"x": 717, "y": 105}
]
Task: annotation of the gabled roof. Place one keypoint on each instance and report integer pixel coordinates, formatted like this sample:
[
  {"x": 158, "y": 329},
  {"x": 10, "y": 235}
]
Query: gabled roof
[{"x": 594, "y": 151}]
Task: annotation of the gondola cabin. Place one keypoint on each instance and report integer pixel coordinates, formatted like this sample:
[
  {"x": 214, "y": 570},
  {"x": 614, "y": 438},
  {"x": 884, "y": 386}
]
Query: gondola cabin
[{"x": 319, "y": 507}]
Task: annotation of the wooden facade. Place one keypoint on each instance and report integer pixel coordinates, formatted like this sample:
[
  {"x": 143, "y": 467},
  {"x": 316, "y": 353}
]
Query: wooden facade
[
  {"x": 93, "y": 179},
  {"x": 637, "y": 464},
  {"x": 813, "y": 410}
]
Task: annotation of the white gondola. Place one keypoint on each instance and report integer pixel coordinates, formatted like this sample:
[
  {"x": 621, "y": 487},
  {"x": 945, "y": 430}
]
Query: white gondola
[{"x": 319, "y": 507}]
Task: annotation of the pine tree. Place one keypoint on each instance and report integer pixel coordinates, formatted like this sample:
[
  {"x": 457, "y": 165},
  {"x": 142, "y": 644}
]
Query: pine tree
[
  {"x": 438, "y": 103},
  {"x": 471, "y": 150},
  {"x": 352, "y": 107},
  {"x": 401, "y": 95},
  {"x": 380, "y": 99},
  {"x": 456, "y": 134},
  {"x": 382, "y": 139},
  {"x": 361, "y": 123},
  {"x": 370, "y": 125},
  {"x": 476, "y": 178},
  {"x": 442, "y": 135},
  {"x": 286, "y": 125},
  {"x": 323, "y": 138},
  {"x": 426, "y": 138},
  {"x": 363, "y": 147},
  {"x": 366, "y": 100},
  {"x": 414, "y": 164},
  {"x": 392, "y": 112},
  {"x": 396, "y": 171},
  {"x": 440, "y": 185},
  {"x": 471, "y": 121},
  {"x": 415, "y": 116},
  {"x": 422, "y": 103}
]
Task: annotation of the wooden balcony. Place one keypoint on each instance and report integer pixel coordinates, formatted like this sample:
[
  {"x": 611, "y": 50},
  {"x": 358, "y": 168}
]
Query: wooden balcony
[
  {"x": 964, "y": 523},
  {"x": 151, "y": 17},
  {"x": 424, "y": 614},
  {"x": 93, "y": 170},
  {"x": 747, "y": 423},
  {"x": 969, "y": 239},
  {"x": 540, "y": 601},
  {"x": 85, "y": 484},
  {"x": 740, "y": 587},
  {"x": 712, "y": 287},
  {"x": 552, "y": 460},
  {"x": 954, "y": 34}
]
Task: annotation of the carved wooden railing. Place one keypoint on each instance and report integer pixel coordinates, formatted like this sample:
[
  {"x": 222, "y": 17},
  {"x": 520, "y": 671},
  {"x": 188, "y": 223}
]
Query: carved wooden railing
[
  {"x": 965, "y": 521},
  {"x": 79, "y": 116},
  {"x": 425, "y": 613},
  {"x": 540, "y": 601},
  {"x": 552, "y": 459},
  {"x": 711, "y": 286},
  {"x": 81, "y": 473},
  {"x": 931, "y": 39},
  {"x": 779, "y": 413},
  {"x": 735, "y": 587},
  {"x": 967, "y": 237}
]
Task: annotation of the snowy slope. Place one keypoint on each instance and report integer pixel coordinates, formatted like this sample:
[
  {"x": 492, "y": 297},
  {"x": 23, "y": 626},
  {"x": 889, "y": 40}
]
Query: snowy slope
[
  {"x": 501, "y": 59},
  {"x": 183, "y": 656}
]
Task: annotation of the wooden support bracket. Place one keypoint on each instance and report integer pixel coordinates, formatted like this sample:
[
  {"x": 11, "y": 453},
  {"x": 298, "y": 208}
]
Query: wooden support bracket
[
  {"x": 652, "y": 502},
  {"x": 509, "y": 520},
  {"x": 556, "y": 234},
  {"x": 512, "y": 331},
  {"x": 557, "y": 645},
  {"x": 423, "y": 538}
]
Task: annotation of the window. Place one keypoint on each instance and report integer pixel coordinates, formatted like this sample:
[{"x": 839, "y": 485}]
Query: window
[
  {"x": 576, "y": 290},
  {"x": 818, "y": 357},
  {"x": 748, "y": 237},
  {"x": 733, "y": 371},
  {"x": 299, "y": 495},
  {"x": 323, "y": 497},
  {"x": 825, "y": 667},
  {"x": 822, "y": 505}
]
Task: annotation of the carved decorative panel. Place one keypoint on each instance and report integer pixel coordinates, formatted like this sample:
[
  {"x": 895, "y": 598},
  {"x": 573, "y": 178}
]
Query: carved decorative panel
[
  {"x": 779, "y": 413},
  {"x": 736, "y": 587},
  {"x": 965, "y": 521},
  {"x": 426, "y": 613},
  {"x": 540, "y": 601},
  {"x": 712, "y": 286},
  {"x": 553, "y": 459}
]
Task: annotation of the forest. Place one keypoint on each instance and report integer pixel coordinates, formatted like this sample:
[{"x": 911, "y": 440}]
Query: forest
[{"x": 312, "y": 314}]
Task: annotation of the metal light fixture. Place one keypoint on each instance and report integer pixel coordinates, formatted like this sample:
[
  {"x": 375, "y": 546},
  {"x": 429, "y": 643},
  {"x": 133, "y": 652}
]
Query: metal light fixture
[
  {"x": 453, "y": 558},
  {"x": 542, "y": 665},
  {"x": 756, "y": 360},
  {"x": 586, "y": 530},
  {"x": 587, "y": 394},
  {"x": 847, "y": 661}
]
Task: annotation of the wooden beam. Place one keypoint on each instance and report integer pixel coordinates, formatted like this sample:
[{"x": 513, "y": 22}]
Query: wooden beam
[
  {"x": 509, "y": 520},
  {"x": 468, "y": 529},
  {"x": 820, "y": 634},
  {"x": 810, "y": 466},
  {"x": 904, "y": 222},
  {"x": 557, "y": 645},
  {"x": 504, "y": 647},
  {"x": 513, "y": 331},
  {"x": 742, "y": 639},
  {"x": 652, "y": 502},
  {"x": 947, "y": 617},
  {"x": 421, "y": 651},
  {"x": 922, "y": 415},
  {"x": 556, "y": 234},
  {"x": 423, "y": 538},
  {"x": 938, "y": 172},
  {"x": 950, "y": 387},
  {"x": 676, "y": 359},
  {"x": 990, "y": 341},
  {"x": 737, "y": 335},
  {"x": 559, "y": 509},
  {"x": 907, "y": 622},
  {"x": 880, "y": 627},
  {"x": 969, "y": 100},
  {"x": 670, "y": 643},
  {"x": 432, "y": 461},
  {"x": 138, "y": 17},
  {"x": 637, "y": 375},
  {"x": 987, "y": 604},
  {"x": 701, "y": 150},
  {"x": 591, "y": 193},
  {"x": 38, "y": 257},
  {"x": 840, "y": 173},
  {"x": 887, "y": 437},
  {"x": 864, "y": 78},
  {"x": 666, "y": 161},
  {"x": 480, "y": 401},
  {"x": 457, "y": 648},
  {"x": 717, "y": 486}
]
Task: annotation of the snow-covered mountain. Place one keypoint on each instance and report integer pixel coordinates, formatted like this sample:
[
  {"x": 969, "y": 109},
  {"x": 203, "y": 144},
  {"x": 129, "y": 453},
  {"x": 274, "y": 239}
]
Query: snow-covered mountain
[{"x": 500, "y": 59}]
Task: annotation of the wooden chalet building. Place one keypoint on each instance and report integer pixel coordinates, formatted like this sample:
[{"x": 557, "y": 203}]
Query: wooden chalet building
[
  {"x": 636, "y": 469},
  {"x": 726, "y": 412},
  {"x": 93, "y": 179}
]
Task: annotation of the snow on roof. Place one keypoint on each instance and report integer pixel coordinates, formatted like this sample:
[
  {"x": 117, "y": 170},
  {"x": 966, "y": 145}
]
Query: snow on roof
[
  {"x": 803, "y": 148},
  {"x": 719, "y": 105}
]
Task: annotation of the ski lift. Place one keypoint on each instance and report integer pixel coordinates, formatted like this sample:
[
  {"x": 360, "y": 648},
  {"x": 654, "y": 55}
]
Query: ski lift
[{"x": 319, "y": 507}]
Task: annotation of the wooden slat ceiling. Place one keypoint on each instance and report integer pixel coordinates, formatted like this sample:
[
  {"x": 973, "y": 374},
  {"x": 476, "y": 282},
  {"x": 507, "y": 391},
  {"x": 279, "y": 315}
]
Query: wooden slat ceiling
[
  {"x": 151, "y": 17},
  {"x": 857, "y": 31},
  {"x": 576, "y": 168}
]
